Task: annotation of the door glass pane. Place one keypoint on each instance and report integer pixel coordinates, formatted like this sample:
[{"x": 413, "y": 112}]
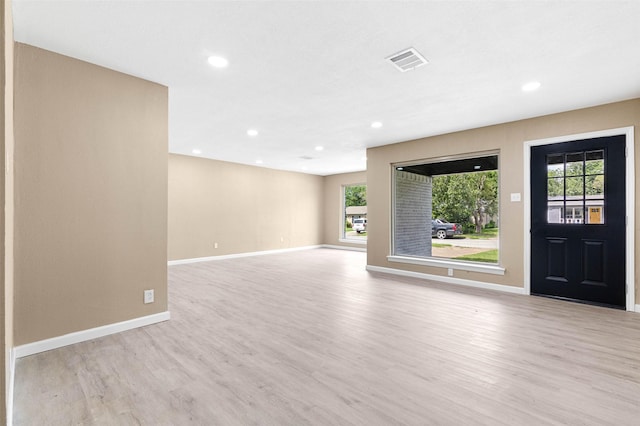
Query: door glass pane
[
  {"x": 574, "y": 165},
  {"x": 554, "y": 214},
  {"x": 575, "y": 187},
  {"x": 594, "y": 163},
  {"x": 574, "y": 214},
  {"x": 594, "y": 186},
  {"x": 555, "y": 165},
  {"x": 596, "y": 215},
  {"x": 555, "y": 188}
]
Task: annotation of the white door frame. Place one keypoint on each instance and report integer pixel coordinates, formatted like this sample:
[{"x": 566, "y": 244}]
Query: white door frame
[{"x": 629, "y": 199}]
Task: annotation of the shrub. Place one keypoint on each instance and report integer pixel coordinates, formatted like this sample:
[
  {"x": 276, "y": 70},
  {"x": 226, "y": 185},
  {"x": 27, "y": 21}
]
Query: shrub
[{"x": 468, "y": 228}]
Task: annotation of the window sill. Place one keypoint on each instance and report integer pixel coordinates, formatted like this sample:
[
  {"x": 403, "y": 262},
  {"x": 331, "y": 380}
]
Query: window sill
[
  {"x": 353, "y": 241},
  {"x": 448, "y": 263}
]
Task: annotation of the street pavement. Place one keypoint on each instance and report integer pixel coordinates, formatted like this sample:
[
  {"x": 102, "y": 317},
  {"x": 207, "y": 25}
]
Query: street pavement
[{"x": 458, "y": 241}]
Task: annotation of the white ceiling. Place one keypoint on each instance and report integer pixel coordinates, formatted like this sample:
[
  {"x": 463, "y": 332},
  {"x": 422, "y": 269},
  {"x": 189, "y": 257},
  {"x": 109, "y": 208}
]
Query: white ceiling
[{"x": 311, "y": 73}]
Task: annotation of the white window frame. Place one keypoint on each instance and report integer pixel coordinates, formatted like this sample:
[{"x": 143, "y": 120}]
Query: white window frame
[
  {"x": 441, "y": 262},
  {"x": 343, "y": 214}
]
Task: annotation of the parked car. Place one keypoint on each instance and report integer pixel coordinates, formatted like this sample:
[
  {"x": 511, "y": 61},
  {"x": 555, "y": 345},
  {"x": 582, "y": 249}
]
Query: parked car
[
  {"x": 360, "y": 225},
  {"x": 442, "y": 229}
]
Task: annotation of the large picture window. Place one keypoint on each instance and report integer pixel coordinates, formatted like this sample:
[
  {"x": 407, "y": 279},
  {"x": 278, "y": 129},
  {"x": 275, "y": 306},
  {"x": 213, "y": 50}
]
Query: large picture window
[{"x": 447, "y": 209}]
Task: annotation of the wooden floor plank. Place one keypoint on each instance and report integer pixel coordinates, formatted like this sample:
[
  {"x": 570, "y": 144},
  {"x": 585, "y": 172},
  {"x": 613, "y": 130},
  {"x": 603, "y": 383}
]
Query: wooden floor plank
[{"x": 312, "y": 338}]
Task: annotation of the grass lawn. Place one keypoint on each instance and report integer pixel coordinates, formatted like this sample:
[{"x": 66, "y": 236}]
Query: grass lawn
[
  {"x": 489, "y": 256},
  {"x": 485, "y": 234},
  {"x": 362, "y": 234}
]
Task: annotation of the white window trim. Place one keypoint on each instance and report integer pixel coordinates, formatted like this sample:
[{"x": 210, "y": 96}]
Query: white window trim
[
  {"x": 630, "y": 201},
  {"x": 343, "y": 217},
  {"x": 441, "y": 262},
  {"x": 354, "y": 240},
  {"x": 449, "y": 264}
]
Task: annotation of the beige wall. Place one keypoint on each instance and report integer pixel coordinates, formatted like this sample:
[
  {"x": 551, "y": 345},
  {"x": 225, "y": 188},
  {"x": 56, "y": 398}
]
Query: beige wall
[
  {"x": 91, "y": 195},
  {"x": 509, "y": 140},
  {"x": 241, "y": 208},
  {"x": 333, "y": 214}
]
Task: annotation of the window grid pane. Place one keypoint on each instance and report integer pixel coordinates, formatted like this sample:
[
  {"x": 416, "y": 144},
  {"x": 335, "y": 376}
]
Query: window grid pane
[{"x": 575, "y": 187}]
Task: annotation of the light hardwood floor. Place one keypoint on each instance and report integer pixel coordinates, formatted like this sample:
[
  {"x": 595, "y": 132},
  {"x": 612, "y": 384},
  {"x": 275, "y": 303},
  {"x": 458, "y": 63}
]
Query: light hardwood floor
[{"x": 310, "y": 337}]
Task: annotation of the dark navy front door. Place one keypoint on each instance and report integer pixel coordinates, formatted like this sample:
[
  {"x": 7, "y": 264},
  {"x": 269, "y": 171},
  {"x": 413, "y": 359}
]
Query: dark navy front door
[{"x": 578, "y": 220}]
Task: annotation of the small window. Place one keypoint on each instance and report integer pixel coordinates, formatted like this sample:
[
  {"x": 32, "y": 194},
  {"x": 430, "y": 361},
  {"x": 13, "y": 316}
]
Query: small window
[{"x": 354, "y": 213}]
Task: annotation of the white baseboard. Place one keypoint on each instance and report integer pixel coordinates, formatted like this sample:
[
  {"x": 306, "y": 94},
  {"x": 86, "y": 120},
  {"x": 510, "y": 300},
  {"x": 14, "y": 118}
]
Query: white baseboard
[
  {"x": 637, "y": 308},
  {"x": 237, "y": 255},
  {"x": 351, "y": 248},
  {"x": 84, "y": 335},
  {"x": 449, "y": 280}
]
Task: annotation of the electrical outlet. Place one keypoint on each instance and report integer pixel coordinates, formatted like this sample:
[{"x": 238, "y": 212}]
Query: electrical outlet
[
  {"x": 282, "y": 239},
  {"x": 215, "y": 245},
  {"x": 450, "y": 272},
  {"x": 148, "y": 296}
]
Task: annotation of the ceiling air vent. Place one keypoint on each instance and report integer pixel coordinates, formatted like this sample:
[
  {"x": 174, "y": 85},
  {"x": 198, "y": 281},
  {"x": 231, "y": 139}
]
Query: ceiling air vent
[{"x": 407, "y": 60}]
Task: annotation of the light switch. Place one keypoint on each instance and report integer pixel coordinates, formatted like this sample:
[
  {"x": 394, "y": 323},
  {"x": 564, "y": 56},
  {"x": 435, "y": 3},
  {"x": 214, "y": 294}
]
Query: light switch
[{"x": 515, "y": 197}]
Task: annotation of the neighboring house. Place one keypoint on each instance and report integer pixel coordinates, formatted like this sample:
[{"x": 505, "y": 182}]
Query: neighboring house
[
  {"x": 355, "y": 212},
  {"x": 571, "y": 209}
]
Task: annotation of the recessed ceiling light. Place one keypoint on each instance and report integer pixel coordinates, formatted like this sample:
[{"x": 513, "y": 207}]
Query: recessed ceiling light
[
  {"x": 252, "y": 132},
  {"x": 376, "y": 124},
  {"x": 319, "y": 148},
  {"x": 218, "y": 61},
  {"x": 258, "y": 161},
  {"x": 196, "y": 152},
  {"x": 531, "y": 86}
]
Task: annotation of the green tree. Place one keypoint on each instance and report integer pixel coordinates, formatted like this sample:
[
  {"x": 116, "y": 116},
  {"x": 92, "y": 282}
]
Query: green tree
[
  {"x": 484, "y": 193},
  {"x": 462, "y": 196},
  {"x": 449, "y": 200},
  {"x": 355, "y": 195}
]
